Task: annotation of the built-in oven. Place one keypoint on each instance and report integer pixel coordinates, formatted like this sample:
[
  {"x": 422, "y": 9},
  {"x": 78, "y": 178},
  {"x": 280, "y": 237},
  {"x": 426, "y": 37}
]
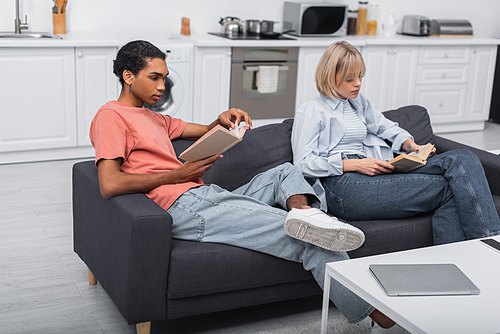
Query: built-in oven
[{"x": 263, "y": 81}]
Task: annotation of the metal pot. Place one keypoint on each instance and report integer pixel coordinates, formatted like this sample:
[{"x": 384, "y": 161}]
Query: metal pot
[
  {"x": 253, "y": 27},
  {"x": 267, "y": 26},
  {"x": 231, "y": 26}
]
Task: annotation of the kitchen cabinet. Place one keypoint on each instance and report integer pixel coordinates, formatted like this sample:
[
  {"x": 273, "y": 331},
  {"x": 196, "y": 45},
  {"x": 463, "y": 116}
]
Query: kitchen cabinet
[
  {"x": 95, "y": 85},
  {"x": 212, "y": 76},
  {"x": 306, "y": 71},
  {"x": 481, "y": 82},
  {"x": 49, "y": 97},
  {"x": 38, "y": 98},
  {"x": 390, "y": 75}
]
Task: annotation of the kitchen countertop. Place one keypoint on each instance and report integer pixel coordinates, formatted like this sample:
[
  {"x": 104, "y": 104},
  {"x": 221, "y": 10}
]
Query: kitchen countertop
[
  {"x": 207, "y": 40},
  {"x": 69, "y": 40}
]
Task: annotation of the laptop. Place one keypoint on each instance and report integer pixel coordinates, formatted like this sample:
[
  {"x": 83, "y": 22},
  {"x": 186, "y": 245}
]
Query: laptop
[{"x": 423, "y": 279}]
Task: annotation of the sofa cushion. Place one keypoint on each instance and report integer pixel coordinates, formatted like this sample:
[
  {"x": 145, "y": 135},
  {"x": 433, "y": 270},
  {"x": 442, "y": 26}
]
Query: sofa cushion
[
  {"x": 415, "y": 120},
  {"x": 198, "y": 268},
  {"x": 261, "y": 149}
]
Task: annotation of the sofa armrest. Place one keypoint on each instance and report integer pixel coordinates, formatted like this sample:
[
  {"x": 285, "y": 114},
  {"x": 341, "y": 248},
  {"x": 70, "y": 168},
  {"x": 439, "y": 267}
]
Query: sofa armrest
[
  {"x": 125, "y": 242},
  {"x": 491, "y": 162}
]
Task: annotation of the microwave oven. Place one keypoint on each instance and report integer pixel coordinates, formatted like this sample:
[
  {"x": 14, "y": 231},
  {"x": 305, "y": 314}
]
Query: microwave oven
[{"x": 314, "y": 19}]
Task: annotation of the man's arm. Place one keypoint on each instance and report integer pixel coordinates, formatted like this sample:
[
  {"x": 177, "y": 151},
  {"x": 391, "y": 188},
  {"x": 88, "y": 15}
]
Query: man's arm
[
  {"x": 226, "y": 119},
  {"x": 114, "y": 182}
]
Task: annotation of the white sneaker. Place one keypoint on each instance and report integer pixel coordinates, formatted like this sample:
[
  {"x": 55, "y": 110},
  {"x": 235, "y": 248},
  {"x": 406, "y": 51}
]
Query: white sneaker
[
  {"x": 395, "y": 329},
  {"x": 317, "y": 228}
]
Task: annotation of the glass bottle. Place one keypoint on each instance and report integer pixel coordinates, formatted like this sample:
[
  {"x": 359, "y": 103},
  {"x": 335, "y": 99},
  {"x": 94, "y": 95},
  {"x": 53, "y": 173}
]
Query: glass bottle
[
  {"x": 371, "y": 20},
  {"x": 362, "y": 11},
  {"x": 352, "y": 22}
]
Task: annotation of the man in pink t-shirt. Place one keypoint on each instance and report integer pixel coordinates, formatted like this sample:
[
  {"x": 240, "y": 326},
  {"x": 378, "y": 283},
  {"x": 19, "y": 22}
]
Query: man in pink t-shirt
[{"x": 275, "y": 213}]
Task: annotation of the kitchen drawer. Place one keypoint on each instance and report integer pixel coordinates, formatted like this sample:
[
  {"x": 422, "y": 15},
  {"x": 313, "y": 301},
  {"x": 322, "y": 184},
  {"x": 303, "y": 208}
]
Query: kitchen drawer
[
  {"x": 445, "y": 103},
  {"x": 437, "y": 74},
  {"x": 444, "y": 54}
]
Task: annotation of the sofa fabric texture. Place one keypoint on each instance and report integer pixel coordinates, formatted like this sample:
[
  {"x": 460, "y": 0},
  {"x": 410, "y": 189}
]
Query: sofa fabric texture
[{"x": 127, "y": 242}]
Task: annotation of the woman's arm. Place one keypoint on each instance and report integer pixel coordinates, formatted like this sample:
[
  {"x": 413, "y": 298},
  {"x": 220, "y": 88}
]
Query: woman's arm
[
  {"x": 368, "y": 166},
  {"x": 114, "y": 182},
  {"x": 410, "y": 146}
]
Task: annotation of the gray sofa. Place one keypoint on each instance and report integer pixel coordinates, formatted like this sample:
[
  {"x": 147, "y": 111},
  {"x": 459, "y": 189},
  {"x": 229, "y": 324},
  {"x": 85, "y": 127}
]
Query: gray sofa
[{"x": 126, "y": 241}]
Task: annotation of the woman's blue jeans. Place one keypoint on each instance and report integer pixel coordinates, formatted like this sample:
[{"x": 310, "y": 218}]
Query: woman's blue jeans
[
  {"x": 452, "y": 183},
  {"x": 252, "y": 217}
]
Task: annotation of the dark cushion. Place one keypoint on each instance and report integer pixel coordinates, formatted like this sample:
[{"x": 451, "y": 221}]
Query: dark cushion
[
  {"x": 225, "y": 268},
  {"x": 261, "y": 149},
  {"x": 415, "y": 120}
]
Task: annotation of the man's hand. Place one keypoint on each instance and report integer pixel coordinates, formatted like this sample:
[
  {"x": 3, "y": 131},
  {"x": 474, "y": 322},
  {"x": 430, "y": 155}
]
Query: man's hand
[
  {"x": 190, "y": 171},
  {"x": 232, "y": 116},
  {"x": 368, "y": 166},
  {"x": 114, "y": 182}
]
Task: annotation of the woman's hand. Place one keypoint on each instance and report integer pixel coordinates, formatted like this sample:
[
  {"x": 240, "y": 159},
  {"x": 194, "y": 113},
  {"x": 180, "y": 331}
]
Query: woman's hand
[
  {"x": 232, "y": 116},
  {"x": 368, "y": 166},
  {"x": 410, "y": 146}
]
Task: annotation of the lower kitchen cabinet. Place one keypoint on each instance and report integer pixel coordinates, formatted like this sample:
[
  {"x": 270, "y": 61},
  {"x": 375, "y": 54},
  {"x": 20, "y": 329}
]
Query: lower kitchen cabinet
[
  {"x": 49, "y": 97},
  {"x": 212, "y": 77},
  {"x": 38, "y": 109},
  {"x": 454, "y": 82}
]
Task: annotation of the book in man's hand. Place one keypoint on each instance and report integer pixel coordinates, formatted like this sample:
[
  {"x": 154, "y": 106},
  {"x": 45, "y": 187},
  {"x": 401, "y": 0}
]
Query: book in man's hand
[
  {"x": 214, "y": 142},
  {"x": 407, "y": 162}
]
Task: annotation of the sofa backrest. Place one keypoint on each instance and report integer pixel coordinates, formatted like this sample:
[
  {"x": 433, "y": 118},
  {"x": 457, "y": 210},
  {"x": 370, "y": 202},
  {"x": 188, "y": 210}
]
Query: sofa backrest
[
  {"x": 261, "y": 149},
  {"x": 415, "y": 120},
  {"x": 268, "y": 146}
]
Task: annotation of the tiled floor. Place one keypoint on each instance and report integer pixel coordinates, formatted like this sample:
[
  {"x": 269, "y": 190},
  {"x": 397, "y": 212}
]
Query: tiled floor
[{"x": 44, "y": 286}]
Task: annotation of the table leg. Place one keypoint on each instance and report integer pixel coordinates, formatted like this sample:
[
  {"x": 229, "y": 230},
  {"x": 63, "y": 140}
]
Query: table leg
[{"x": 326, "y": 303}]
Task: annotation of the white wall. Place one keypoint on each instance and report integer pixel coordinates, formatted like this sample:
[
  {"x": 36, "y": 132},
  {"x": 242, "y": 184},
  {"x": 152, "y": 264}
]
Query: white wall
[{"x": 158, "y": 19}]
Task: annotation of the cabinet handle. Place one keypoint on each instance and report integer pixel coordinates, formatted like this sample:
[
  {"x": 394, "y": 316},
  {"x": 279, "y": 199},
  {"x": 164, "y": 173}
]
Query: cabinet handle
[
  {"x": 476, "y": 50},
  {"x": 446, "y": 55},
  {"x": 445, "y": 75},
  {"x": 80, "y": 55},
  {"x": 441, "y": 104}
]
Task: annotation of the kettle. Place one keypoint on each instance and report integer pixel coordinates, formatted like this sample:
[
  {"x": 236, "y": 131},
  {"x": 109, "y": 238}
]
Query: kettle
[{"x": 231, "y": 26}]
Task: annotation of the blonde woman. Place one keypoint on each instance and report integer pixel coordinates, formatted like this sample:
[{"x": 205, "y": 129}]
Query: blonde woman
[{"x": 339, "y": 142}]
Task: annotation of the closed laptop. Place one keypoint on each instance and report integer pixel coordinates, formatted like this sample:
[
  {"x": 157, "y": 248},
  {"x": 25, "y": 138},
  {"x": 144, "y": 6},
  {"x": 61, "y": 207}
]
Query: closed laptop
[{"x": 423, "y": 279}]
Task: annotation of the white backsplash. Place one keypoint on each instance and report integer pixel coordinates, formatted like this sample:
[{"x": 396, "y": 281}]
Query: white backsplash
[{"x": 158, "y": 19}]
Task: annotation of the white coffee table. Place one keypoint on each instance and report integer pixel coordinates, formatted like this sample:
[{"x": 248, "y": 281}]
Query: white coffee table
[{"x": 429, "y": 314}]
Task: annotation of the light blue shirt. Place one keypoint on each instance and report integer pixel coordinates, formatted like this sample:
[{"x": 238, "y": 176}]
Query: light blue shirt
[{"x": 319, "y": 127}]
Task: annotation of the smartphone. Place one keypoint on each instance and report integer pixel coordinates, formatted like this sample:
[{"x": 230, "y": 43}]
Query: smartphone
[{"x": 492, "y": 243}]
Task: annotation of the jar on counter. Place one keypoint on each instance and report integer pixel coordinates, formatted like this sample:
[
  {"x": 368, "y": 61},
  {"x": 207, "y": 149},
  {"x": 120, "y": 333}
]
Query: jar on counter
[
  {"x": 362, "y": 12},
  {"x": 352, "y": 22},
  {"x": 371, "y": 20}
]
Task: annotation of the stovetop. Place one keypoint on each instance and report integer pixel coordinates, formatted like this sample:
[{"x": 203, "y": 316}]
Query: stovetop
[{"x": 250, "y": 37}]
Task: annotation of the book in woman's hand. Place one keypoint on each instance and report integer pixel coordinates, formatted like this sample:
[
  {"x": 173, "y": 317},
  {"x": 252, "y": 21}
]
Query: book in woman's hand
[
  {"x": 407, "y": 162},
  {"x": 214, "y": 142}
]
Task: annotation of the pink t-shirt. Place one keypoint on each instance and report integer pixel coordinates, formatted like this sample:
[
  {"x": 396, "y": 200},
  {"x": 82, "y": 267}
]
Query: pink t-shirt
[{"x": 143, "y": 139}]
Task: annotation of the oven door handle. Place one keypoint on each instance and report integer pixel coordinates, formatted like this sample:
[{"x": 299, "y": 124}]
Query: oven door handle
[{"x": 256, "y": 68}]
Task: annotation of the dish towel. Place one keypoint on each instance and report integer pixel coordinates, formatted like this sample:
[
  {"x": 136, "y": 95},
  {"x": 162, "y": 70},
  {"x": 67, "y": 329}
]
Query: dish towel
[{"x": 267, "y": 79}]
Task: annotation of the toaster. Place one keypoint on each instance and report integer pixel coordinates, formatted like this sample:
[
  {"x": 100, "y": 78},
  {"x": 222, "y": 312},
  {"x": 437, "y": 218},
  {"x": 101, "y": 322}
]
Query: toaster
[{"x": 416, "y": 25}]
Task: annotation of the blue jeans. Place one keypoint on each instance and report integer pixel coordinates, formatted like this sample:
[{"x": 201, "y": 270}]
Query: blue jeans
[
  {"x": 248, "y": 217},
  {"x": 452, "y": 183}
]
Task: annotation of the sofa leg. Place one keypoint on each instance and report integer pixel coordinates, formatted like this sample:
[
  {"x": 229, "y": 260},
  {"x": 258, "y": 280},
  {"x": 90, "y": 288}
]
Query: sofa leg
[
  {"x": 143, "y": 327},
  {"x": 92, "y": 278}
]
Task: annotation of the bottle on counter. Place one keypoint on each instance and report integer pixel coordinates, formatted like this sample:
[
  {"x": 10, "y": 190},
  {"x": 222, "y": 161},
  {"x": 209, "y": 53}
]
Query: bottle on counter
[
  {"x": 352, "y": 22},
  {"x": 362, "y": 13},
  {"x": 371, "y": 20}
]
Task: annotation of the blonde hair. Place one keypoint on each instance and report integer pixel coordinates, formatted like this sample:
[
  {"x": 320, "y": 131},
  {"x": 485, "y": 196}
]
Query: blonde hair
[{"x": 340, "y": 58}]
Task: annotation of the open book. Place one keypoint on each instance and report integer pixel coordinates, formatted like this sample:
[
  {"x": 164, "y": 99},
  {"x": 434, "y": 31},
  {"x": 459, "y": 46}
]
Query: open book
[
  {"x": 407, "y": 162},
  {"x": 216, "y": 141}
]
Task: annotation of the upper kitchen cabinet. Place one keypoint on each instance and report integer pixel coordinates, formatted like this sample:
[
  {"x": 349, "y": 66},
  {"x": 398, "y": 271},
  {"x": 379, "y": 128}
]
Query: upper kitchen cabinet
[
  {"x": 38, "y": 98},
  {"x": 49, "y": 97},
  {"x": 212, "y": 77},
  {"x": 390, "y": 75}
]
